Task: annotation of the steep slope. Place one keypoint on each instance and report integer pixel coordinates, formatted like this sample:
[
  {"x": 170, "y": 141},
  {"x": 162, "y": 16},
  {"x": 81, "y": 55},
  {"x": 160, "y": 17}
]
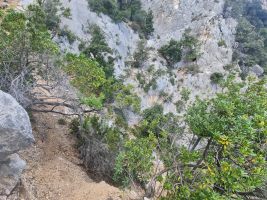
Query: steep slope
[
  {"x": 171, "y": 19},
  {"x": 205, "y": 20}
]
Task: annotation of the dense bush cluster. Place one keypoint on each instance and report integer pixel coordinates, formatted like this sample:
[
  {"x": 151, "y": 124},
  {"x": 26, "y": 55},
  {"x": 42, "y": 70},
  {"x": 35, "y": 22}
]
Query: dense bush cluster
[
  {"x": 125, "y": 10},
  {"x": 171, "y": 52},
  {"x": 24, "y": 40},
  {"x": 140, "y": 55},
  {"x": 99, "y": 50},
  {"x": 229, "y": 164},
  {"x": 216, "y": 77},
  {"x": 99, "y": 145},
  {"x": 187, "y": 49}
]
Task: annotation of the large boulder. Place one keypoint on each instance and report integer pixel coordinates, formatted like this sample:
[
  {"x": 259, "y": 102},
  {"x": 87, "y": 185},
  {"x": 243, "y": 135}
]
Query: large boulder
[
  {"x": 15, "y": 134},
  {"x": 257, "y": 70},
  {"x": 15, "y": 126}
]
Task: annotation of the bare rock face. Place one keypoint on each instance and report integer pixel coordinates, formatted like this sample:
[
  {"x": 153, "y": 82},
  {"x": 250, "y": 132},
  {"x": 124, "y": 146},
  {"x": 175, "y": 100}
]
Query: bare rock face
[
  {"x": 15, "y": 134},
  {"x": 120, "y": 37}
]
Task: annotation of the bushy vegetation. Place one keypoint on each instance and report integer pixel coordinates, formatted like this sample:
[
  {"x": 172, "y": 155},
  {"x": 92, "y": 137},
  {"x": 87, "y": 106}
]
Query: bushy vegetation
[
  {"x": 222, "y": 43},
  {"x": 216, "y": 77},
  {"x": 171, "y": 52},
  {"x": 62, "y": 121},
  {"x": 251, "y": 33},
  {"x": 88, "y": 77},
  {"x": 140, "y": 55},
  {"x": 124, "y": 10},
  {"x": 187, "y": 49},
  {"x": 67, "y": 13},
  {"x": 65, "y": 32},
  {"x": 99, "y": 50},
  {"x": 99, "y": 145},
  {"x": 185, "y": 93},
  {"x": 230, "y": 164},
  {"x": 138, "y": 159},
  {"x": 149, "y": 81},
  {"x": 24, "y": 39},
  {"x": 52, "y": 14}
]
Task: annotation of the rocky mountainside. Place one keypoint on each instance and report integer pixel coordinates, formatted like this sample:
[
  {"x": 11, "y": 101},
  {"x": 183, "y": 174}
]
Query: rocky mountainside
[
  {"x": 205, "y": 21},
  {"x": 165, "y": 53},
  {"x": 171, "y": 19}
]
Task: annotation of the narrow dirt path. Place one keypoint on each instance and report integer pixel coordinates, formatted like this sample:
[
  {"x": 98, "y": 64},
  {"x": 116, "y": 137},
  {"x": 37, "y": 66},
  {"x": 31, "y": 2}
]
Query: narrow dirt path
[{"x": 53, "y": 167}]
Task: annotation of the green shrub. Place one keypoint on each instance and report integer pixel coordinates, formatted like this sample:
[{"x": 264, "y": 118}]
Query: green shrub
[
  {"x": 65, "y": 32},
  {"x": 52, "y": 16},
  {"x": 153, "y": 121},
  {"x": 135, "y": 162},
  {"x": 98, "y": 47},
  {"x": 147, "y": 88},
  {"x": 193, "y": 69},
  {"x": 231, "y": 160},
  {"x": 148, "y": 28},
  {"x": 100, "y": 146},
  {"x": 172, "y": 80},
  {"x": 186, "y": 49},
  {"x": 67, "y": 13},
  {"x": 87, "y": 75},
  {"x": 140, "y": 55},
  {"x": 216, "y": 77},
  {"x": 141, "y": 79},
  {"x": 107, "y": 7},
  {"x": 185, "y": 93},
  {"x": 171, "y": 52},
  {"x": 163, "y": 94},
  {"x": 222, "y": 43},
  {"x": 168, "y": 98},
  {"x": 228, "y": 67},
  {"x": 74, "y": 126},
  {"x": 250, "y": 33},
  {"x": 190, "y": 46},
  {"x": 179, "y": 106}
]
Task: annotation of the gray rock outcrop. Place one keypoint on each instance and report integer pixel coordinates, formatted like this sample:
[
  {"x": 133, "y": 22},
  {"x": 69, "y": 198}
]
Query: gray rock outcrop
[
  {"x": 15, "y": 134},
  {"x": 257, "y": 70}
]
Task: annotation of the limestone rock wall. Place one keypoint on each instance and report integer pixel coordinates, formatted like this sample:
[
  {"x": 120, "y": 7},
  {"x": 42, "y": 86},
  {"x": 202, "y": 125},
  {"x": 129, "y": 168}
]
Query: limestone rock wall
[
  {"x": 171, "y": 18},
  {"x": 205, "y": 20}
]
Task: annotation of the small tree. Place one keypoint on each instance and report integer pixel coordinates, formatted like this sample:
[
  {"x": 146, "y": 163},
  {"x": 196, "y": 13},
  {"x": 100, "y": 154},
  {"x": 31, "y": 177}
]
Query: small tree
[
  {"x": 171, "y": 52},
  {"x": 148, "y": 27},
  {"x": 140, "y": 55},
  {"x": 187, "y": 49},
  {"x": 25, "y": 48},
  {"x": 98, "y": 49}
]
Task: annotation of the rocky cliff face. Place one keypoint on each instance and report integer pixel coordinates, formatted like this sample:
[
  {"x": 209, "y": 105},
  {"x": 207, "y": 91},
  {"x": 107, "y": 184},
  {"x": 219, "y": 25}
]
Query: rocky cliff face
[
  {"x": 171, "y": 18},
  {"x": 205, "y": 20},
  {"x": 15, "y": 134}
]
